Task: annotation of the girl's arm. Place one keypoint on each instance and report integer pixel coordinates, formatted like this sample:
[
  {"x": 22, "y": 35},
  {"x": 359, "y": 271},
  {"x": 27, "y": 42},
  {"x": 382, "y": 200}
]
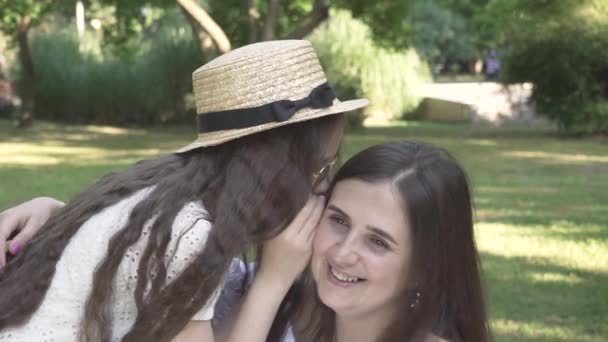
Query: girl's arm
[
  {"x": 283, "y": 259},
  {"x": 196, "y": 331}
]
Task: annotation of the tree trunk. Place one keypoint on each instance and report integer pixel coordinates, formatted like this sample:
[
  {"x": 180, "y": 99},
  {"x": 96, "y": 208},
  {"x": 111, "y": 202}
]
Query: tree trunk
[
  {"x": 26, "y": 115},
  {"x": 204, "y": 42},
  {"x": 272, "y": 16},
  {"x": 253, "y": 16},
  {"x": 320, "y": 12},
  {"x": 80, "y": 20},
  {"x": 197, "y": 15}
]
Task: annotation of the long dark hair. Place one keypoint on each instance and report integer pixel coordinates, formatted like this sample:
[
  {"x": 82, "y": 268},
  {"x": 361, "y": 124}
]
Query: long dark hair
[
  {"x": 251, "y": 187},
  {"x": 445, "y": 266}
]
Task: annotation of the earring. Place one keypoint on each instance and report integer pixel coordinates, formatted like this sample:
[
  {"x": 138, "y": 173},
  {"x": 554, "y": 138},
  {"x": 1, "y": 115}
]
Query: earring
[{"x": 417, "y": 300}]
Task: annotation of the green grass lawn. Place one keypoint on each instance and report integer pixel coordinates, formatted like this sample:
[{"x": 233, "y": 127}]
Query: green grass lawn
[{"x": 541, "y": 207}]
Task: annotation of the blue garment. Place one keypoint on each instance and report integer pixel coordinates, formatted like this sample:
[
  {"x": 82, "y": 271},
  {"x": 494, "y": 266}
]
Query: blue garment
[{"x": 238, "y": 279}]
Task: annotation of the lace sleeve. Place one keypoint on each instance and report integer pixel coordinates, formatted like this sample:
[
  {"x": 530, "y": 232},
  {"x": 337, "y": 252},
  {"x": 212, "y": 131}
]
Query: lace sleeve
[{"x": 190, "y": 232}]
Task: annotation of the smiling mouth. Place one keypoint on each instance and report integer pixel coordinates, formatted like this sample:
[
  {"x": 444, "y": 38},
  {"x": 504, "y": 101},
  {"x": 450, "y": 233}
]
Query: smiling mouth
[{"x": 343, "y": 278}]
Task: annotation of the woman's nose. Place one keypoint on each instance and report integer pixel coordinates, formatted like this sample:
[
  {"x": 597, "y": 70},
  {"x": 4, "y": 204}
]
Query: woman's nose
[{"x": 345, "y": 252}]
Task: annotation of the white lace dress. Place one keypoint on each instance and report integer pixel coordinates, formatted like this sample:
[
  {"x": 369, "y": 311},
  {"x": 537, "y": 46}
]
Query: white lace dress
[{"x": 59, "y": 316}]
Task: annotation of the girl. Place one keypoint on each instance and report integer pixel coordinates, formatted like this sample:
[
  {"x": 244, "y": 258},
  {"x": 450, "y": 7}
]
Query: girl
[{"x": 141, "y": 253}]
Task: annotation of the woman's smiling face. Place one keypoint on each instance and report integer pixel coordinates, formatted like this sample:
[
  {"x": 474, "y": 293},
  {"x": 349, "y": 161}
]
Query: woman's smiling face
[{"x": 362, "y": 249}]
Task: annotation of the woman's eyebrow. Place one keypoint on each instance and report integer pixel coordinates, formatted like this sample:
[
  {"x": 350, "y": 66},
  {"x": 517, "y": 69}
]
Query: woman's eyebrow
[
  {"x": 383, "y": 234},
  {"x": 338, "y": 210}
]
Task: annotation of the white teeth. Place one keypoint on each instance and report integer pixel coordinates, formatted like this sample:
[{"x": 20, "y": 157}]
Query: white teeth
[{"x": 342, "y": 276}]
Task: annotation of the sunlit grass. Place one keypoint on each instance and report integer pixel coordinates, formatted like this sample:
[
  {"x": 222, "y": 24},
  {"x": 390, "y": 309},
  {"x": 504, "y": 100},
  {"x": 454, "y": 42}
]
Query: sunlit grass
[
  {"x": 558, "y": 157},
  {"x": 546, "y": 245},
  {"x": 48, "y": 154},
  {"x": 514, "y": 330},
  {"x": 540, "y": 206}
]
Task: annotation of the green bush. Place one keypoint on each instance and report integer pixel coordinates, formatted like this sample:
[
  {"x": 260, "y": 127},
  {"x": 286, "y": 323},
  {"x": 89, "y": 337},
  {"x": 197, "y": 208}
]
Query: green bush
[
  {"x": 439, "y": 34},
  {"x": 359, "y": 68},
  {"x": 567, "y": 61},
  {"x": 76, "y": 84}
]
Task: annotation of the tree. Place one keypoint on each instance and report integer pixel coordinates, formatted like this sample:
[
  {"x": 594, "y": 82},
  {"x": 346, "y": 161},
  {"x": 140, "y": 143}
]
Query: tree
[
  {"x": 217, "y": 24},
  {"x": 268, "y": 20},
  {"x": 16, "y": 20},
  {"x": 258, "y": 20},
  {"x": 220, "y": 24},
  {"x": 562, "y": 48},
  {"x": 204, "y": 26},
  {"x": 439, "y": 34},
  {"x": 130, "y": 21},
  {"x": 388, "y": 19}
]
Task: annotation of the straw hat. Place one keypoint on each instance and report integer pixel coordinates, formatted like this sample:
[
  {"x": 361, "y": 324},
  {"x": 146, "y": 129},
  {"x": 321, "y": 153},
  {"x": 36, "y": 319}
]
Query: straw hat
[{"x": 259, "y": 87}]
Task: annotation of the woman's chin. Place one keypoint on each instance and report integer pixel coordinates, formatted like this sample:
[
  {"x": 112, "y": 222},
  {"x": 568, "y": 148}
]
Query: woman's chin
[
  {"x": 331, "y": 303},
  {"x": 338, "y": 296}
]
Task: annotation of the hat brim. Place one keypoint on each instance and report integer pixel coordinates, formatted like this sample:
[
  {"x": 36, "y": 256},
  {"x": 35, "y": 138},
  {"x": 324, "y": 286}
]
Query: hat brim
[{"x": 219, "y": 137}]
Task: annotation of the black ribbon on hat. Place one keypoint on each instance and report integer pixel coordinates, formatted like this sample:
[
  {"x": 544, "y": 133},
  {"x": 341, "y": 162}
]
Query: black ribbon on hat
[{"x": 321, "y": 97}]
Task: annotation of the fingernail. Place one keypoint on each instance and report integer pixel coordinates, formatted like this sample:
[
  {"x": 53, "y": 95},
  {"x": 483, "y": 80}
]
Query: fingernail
[{"x": 15, "y": 248}]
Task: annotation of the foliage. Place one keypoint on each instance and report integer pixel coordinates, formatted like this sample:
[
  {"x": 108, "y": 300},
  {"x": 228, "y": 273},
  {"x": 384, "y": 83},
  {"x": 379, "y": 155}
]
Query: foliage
[
  {"x": 562, "y": 48},
  {"x": 386, "y": 19},
  {"x": 109, "y": 76},
  {"x": 360, "y": 68},
  {"x": 439, "y": 34},
  {"x": 125, "y": 22},
  {"x": 74, "y": 85},
  {"x": 16, "y": 20},
  {"x": 12, "y": 12},
  {"x": 233, "y": 17}
]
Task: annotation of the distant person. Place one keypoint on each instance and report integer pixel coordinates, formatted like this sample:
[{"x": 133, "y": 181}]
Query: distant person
[{"x": 492, "y": 66}]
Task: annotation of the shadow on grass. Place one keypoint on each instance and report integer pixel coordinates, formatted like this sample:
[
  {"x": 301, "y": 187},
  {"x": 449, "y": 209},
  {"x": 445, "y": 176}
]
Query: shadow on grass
[
  {"x": 111, "y": 138},
  {"x": 525, "y": 205},
  {"x": 553, "y": 300}
]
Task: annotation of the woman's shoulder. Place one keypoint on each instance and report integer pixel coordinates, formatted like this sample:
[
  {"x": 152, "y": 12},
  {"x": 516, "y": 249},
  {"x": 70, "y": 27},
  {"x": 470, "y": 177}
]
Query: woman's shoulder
[{"x": 238, "y": 277}]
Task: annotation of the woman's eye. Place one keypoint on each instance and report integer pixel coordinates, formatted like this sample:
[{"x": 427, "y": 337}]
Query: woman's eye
[
  {"x": 339, "y": 223},
  {"x": 339, "y": 220},
  {"x": 379, "y": 243}
]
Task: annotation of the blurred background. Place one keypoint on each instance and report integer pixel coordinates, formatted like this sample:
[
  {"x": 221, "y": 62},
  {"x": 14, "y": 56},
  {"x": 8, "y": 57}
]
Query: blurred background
[{"x": 517, "y": 90}]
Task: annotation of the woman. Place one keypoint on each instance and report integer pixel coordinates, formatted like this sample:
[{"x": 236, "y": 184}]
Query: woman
[
  {"x": 394, "y": 259},
  {"x": 141, "y": 253}
]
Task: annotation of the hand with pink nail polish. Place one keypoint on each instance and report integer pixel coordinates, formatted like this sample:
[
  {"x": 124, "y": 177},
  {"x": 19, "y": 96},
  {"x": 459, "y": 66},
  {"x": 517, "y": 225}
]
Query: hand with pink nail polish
[{"x": 20, "y": 223}]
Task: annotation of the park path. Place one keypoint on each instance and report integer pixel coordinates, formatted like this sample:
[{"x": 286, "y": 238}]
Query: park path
[{"x": 487, "y": 102}]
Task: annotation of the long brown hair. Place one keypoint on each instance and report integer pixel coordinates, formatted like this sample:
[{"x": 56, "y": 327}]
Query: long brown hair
[
  {"x": 445, "y": 264},
  {"x": 251, "y": 188}
]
